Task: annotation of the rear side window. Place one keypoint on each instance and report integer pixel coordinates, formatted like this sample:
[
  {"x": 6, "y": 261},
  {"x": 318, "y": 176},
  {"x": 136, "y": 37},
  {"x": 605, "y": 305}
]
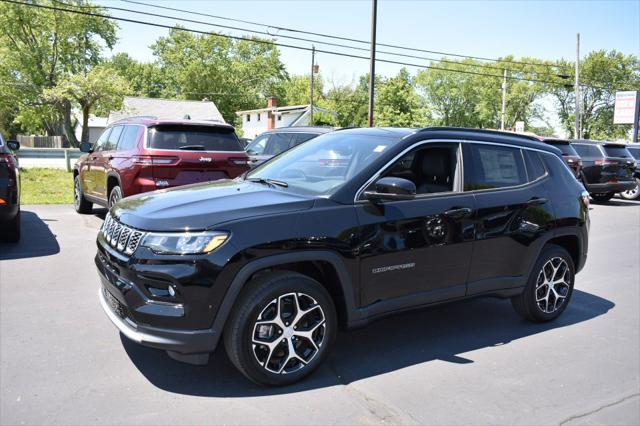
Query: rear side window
[
  {"x": 535, "y": 168},
  {"x": 129, "y": 138},
  {"x": 258, "y": 145},
  {"x": 616, "y": 151},
  {"x": 493, "y": 167},
  {"x": 588, "y": 150},
  {"x": 197, "y": 138}
]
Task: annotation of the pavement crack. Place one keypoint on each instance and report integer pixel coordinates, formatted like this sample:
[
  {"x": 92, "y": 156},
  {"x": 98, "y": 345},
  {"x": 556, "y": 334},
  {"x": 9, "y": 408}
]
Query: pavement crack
[{"x": 602, "y": 407}]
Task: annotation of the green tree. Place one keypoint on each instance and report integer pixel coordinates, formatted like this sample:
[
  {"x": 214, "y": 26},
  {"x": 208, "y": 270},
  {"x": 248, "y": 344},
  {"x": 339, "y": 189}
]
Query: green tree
[
  {"x": 602, "y": 73},
  {"x": 296, "y": 90},
  {"x": 99, "y": 88},
  {"x": 237, "y": 75},
  {"x": 145, "y": 79},
  {"x": 38, "y": 48},
  {"x": 397, "y": 103},
  {"x": 351, "y": 104}
]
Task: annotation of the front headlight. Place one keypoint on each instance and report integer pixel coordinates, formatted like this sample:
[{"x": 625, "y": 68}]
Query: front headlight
[{"x": 185, "y": 243}]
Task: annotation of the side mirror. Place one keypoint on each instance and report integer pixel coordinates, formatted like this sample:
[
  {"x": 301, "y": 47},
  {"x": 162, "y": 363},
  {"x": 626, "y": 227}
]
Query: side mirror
[
  {"x": 391, "y": 188},
  {"x": 85, "y": 147},
  {"x": 13, "y": 145}
]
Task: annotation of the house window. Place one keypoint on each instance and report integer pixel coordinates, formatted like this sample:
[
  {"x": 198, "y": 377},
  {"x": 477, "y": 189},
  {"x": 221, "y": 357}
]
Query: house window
[
  {"x": 258, "y": 116},
  {"x": 248, "y": 117}
]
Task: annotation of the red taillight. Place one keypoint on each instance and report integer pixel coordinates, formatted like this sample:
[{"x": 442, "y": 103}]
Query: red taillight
[
  {"x": 605, "y": 163},
  {"x": 150, "y": 160}
]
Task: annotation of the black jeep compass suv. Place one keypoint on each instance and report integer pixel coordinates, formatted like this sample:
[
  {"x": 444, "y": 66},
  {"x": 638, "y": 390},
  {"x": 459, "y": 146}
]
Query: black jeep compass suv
[{"x": 346, "y": 228}]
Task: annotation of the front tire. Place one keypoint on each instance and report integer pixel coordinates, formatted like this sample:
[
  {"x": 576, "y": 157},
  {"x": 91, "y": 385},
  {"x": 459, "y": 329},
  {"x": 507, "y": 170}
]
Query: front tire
[
  {"x": 602, "y": 198},
  {"x": 632, "y": 194},
  {"x": 282, "y": 328},
  {"x": 80, "y": 203},
  {"x": 549, "y": 288},
  {"x": 10, "y": 231}
]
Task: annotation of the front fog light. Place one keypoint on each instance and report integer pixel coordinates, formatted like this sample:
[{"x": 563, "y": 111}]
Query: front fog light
[{"x": 185, "y": 243}]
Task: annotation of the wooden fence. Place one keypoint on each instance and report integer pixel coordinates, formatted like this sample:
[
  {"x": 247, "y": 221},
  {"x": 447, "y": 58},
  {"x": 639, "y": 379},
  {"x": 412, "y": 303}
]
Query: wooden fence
[{"x": 42, "y": 141}]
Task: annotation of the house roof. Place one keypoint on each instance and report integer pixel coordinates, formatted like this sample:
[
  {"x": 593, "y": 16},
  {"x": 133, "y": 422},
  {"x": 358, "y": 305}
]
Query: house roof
[{"x": 166, "y": 109}]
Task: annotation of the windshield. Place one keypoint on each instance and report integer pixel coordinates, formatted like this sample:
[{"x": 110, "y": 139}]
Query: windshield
[
  {"x": 616, "y": 151},
  {"x": 203, "y": 138},
  {"x": 322, "y": 165}
]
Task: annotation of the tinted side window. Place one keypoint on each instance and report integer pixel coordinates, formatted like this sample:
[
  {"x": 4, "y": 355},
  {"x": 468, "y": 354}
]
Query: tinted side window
[
  {"x": 493, "y": 166},
  {"x": 129, "y": 138},
  {"x": 635, "y": 152},
  {"x": 432, "y": 169},
  {"x": 298, "y": 138},
  {"x": 617, "y": 151},
  {"x": 535, "y": 168},
  {"x": 112, "y": 142},
  {"x": 258, "y": 145},
  {"x": 278, "y": 143},
  {"x": 102, "y": 140},
  {"x": 588, "y": 150}
]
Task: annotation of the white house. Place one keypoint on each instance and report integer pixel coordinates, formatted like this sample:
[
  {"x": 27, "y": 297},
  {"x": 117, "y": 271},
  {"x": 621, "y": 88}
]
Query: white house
[
  {"x": 166, "y": 109},
  {"x": 96, "y": 127},
  {"x": 257, "y": 121}
]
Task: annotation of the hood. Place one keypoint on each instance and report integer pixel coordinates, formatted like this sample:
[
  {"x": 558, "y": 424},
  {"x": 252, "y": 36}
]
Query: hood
[{"x": 202, "y": 206}]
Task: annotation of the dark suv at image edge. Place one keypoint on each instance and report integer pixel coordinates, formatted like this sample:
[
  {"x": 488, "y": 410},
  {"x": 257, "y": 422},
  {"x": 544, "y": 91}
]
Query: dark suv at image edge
[
  {"x": 9, "y": 192},
  {"x": 274, "y": 261}
]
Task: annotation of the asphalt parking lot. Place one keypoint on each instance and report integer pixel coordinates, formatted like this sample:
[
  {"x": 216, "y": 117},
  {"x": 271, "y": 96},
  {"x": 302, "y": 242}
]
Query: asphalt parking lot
[{"x": 476, "y": 362}]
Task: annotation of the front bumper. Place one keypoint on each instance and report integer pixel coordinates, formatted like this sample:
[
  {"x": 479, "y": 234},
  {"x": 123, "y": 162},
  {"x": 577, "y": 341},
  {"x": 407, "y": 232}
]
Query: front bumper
[{"x": 180, "y": 341}]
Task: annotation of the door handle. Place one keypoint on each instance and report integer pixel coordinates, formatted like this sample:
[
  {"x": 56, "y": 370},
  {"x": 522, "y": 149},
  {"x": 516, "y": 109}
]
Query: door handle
[
  {"x": 537, "y": 201},
  {"x": 458, "y": 213}
]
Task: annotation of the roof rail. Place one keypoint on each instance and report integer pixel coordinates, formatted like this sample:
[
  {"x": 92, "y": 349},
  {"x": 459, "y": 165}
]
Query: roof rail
[{"x": 485, "y": 131}]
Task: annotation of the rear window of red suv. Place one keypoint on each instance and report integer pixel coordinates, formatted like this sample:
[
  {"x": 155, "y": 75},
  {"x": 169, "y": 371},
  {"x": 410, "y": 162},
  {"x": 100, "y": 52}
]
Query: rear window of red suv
[{"x": 193, "y": 138}]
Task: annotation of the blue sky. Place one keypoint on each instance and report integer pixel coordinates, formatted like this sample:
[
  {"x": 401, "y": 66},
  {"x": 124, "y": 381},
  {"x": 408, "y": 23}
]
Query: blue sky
[{"x": 544, "y": 29}]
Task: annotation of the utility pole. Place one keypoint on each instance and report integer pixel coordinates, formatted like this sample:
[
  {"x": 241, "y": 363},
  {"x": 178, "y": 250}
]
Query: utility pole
[
  {"x": 577, "y": 89},
  {"x": 503, "y": 115},
  {"x": 313, "y": 65},
  {"x": 372, "y": 66}
]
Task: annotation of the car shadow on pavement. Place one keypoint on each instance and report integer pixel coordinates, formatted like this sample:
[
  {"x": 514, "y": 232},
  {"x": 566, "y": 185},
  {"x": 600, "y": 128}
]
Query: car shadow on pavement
[
  {"x": 439, "y": 333},
  {"x": 37, "y": 239}
]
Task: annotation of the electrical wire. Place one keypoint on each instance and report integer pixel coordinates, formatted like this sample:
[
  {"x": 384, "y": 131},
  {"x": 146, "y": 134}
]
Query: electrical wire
[{"x": 278, "y": 44}]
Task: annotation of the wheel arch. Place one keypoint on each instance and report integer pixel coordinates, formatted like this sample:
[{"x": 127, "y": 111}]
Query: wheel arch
[
  {"x": 325, "y": 267},
  {"x": 113, "y": 179},
  {"x": 568, "y": 239}
]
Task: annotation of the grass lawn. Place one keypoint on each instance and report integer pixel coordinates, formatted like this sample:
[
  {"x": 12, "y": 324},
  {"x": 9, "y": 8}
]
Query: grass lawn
[{"x": 46, "y": 186}]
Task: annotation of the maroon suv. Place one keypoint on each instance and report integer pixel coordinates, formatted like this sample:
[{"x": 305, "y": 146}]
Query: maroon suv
[{"x": 144, "y": 154}]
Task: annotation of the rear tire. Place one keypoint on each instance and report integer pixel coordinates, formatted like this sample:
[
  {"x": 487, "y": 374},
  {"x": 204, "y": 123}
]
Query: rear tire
[
  {"x": 10, "y": 231},
  {"x": 80, "y": 203},
  {"x": 549, "y": 288},
  {"x": 632, "y": 194},
  {"x": 115, "y": 195},
  {"x": 276, "y": 313},
  {"x": 602, "y": 198}
]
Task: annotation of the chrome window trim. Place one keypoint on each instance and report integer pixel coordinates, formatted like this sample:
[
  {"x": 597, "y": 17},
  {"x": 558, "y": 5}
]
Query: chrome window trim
[{"x": 460, "y": 142}]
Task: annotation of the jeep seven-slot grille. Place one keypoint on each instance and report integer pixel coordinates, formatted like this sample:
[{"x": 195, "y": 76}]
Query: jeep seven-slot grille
[{"x": 119, "y": 236}]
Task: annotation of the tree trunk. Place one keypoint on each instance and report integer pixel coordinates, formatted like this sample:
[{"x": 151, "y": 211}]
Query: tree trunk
[
  {"x": 68, "y": 128},
  {"x": 85, "y": 124}
]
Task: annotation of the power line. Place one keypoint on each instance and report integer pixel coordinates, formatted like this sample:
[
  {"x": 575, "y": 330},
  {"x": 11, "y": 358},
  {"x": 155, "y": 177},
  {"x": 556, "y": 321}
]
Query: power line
[
  {"x": 364, "y": 49},
  {"x": 415, "y": 49},
  {"x": 272, "y": 43}
]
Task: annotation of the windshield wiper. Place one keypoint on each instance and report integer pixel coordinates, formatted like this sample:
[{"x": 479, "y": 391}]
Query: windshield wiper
[
  {"x": 192, "y": 147},
  {"x": 269, "y": 181}
]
